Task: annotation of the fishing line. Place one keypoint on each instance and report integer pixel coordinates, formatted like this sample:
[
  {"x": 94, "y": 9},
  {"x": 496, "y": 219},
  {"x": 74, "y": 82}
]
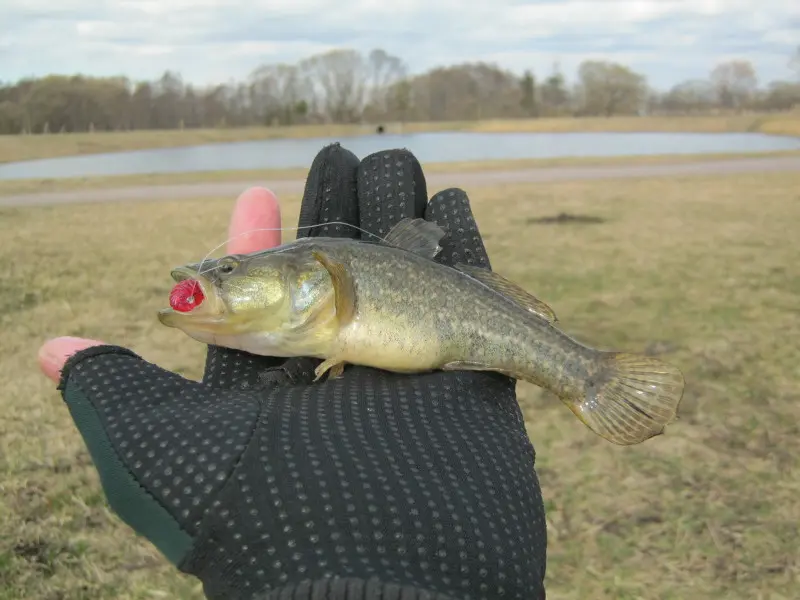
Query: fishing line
[
  {"x": 188, "y": 294},
  {"x": 217, "y": 247}
]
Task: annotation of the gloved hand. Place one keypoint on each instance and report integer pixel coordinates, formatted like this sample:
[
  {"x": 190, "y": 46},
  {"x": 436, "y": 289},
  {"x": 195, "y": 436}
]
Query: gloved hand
[{"x": 373, "y": 485}]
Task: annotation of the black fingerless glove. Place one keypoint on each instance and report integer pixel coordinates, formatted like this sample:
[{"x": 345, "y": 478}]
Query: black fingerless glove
[{"x": 372, "y": 485}]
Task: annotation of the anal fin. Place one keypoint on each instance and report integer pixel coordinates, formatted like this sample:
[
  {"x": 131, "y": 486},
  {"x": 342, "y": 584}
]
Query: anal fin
[{"x": 464, "y": 365}]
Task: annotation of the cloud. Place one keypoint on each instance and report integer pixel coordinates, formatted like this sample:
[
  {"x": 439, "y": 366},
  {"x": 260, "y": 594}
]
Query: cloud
[{"x": 210, "y": 41}]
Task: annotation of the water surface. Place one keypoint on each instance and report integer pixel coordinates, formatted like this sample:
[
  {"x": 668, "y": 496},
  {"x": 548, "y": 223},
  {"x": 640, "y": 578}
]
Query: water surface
[{"x": 439, "y": 147}]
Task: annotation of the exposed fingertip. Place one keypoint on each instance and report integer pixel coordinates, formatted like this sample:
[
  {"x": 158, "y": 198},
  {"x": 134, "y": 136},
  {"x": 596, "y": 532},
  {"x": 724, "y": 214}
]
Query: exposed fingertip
[
  {"x": 255, "y": 222},
  {"x": 450, "y": 209},
  {"x": 54, "y": 353}
]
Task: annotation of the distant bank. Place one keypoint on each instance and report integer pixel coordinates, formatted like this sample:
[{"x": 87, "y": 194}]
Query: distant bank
[
  {"x": 489, "y": 175},
  {"x": 29, "y": 147}
]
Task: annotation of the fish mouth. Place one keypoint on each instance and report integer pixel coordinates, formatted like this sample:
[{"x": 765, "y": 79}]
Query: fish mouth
[
  {"x": 172, "y": 318},
  {"x": 179, "y": 274}
]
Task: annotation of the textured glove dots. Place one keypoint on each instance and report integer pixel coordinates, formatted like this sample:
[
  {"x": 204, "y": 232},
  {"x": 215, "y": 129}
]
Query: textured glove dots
[{"x": 373, "y": 485}]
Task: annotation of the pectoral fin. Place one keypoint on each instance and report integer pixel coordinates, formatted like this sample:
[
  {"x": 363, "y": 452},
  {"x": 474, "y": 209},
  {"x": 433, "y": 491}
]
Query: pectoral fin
[
  {"x": 343, "y": 287},
  {"x": 335, "y": 366},
  {"x": 416, "y": 235},
  {"x": 510, "y": 290}
]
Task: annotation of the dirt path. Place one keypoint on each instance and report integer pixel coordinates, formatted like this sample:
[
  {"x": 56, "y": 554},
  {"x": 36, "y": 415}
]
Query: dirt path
[{"x": 436, "y": 181}]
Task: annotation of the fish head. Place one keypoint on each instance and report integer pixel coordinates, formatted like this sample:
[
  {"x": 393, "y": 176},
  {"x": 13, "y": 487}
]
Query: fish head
[{"x": 264, "y": 293}]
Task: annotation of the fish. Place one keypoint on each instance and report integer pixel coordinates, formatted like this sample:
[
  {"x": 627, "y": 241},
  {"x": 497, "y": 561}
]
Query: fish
[{"x": 390, "y": 305}]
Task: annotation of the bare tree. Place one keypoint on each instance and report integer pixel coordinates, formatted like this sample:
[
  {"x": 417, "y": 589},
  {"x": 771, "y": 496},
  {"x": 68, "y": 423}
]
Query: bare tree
[
  {"x": 385, "y": 71},
  {"x": 341, "y": 78},
  {"x": 554, "y": 95},
  {"x": 530, "y": 101},
  {"x": 611, "y": 89},
  {"x": 169, "y": 92},
  {"x": 345, "y": 86},
  {"x": 280, "y": 94},
  {"x": 12, "y": 117},
  {"x": 781, "y": 95},
  {"x": 691, "y": 96},
  {"x": 736, "y": 82},
  {"x": 464, "y": 92},
  {"x": 400, "y": 100}
]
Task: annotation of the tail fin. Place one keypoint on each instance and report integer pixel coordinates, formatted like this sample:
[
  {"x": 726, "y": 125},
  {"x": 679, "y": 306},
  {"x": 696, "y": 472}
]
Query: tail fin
[{"x": 631, "y": 399}]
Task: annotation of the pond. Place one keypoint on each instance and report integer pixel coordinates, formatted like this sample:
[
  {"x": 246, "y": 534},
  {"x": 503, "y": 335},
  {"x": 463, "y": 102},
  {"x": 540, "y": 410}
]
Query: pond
[{"x": 428, "y": 147}]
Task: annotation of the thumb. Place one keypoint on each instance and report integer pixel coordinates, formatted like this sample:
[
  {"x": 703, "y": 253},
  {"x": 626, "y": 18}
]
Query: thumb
[
  {"x": 163, "y": 445},
  {"x": 54, "y": 353}
]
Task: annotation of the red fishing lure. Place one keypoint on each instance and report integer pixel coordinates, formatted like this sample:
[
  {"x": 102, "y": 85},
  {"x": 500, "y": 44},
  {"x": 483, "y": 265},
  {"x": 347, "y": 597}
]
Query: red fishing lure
[{"x": 186, "y": 295}]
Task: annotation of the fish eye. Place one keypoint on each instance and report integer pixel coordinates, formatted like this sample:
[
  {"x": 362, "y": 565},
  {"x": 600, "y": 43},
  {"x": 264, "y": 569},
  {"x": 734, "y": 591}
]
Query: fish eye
[{"x": 227, "y": 267}]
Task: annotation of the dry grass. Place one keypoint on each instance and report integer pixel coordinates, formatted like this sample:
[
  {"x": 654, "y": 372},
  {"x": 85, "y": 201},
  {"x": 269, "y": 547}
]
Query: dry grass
[
  {"x": 703, "y": 269},
  {"x": 28, "y": 147},
  {"x": 35, "y": 186}
]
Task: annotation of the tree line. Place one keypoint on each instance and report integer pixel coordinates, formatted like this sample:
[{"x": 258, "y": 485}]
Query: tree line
[{"x": 345, "y": 86}]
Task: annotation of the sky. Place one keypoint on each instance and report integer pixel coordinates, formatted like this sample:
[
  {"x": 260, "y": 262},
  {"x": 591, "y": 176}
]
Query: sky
[{"x": 216, "y": 41}]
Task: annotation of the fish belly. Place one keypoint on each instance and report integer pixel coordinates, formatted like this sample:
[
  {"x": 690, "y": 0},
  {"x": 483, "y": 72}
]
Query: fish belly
[{"x": 391, "y": 347}]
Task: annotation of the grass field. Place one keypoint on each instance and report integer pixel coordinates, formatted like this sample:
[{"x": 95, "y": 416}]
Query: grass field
[
  {"x": 701, "y": 269},
  {"x": 28, "y": 147}
]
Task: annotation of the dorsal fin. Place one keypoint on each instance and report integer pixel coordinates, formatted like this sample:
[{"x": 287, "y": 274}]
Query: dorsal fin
[
  {"x": 510, "y": 290},
  {"x": 416, "y": 235}
]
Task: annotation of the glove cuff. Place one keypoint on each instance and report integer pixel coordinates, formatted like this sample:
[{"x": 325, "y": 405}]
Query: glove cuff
[
  {"x": 126, "y": 496},
  {"x": 351, "y": 588}
]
